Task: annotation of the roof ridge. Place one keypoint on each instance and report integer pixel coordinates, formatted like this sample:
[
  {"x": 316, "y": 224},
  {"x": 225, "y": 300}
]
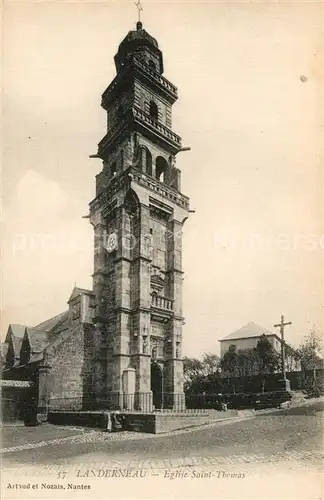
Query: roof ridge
[{"x": 243, "y": 331}]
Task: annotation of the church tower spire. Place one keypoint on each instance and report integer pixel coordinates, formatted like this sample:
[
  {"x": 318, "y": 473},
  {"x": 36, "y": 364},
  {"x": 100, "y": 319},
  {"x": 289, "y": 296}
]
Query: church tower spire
[{"x": 137, "y": 215}]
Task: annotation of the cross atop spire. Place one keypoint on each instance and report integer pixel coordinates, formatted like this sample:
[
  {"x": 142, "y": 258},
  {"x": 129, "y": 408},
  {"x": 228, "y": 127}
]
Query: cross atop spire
[{"x": 139, "y": 8}]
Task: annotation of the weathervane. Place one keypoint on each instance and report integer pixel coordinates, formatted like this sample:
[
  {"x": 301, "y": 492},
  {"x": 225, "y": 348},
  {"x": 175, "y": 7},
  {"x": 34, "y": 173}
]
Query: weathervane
[{"x": 139, "y": 8}]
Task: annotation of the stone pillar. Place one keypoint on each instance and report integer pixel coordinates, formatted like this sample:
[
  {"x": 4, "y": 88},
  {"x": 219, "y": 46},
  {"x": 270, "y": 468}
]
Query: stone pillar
[
  {"x": 141, "y": 355},
  {"x": 142, "y": 159},
  {"x": 129, "y": 388},
  {"x": 174, "y": 362},
  {"x": 98, "y": 369},
  {"x": 154, "y": 166},
  {"x": 120, "y": 364},
  {"x": 99, "y": 225},
  {"x": 44, "y": 390},
  {"x": 173, "y": 383},
  {"x": 143, "y": 394}
]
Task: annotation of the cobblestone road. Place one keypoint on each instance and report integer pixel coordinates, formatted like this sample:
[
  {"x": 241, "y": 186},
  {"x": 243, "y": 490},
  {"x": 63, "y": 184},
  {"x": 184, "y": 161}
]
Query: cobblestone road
[{"x": 293, "y": 435}]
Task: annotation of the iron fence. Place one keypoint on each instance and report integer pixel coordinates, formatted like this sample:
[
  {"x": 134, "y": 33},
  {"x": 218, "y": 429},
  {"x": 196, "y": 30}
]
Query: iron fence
[
  {"x": 166, "y": 402},
  {"x": 138, "y": 402}
]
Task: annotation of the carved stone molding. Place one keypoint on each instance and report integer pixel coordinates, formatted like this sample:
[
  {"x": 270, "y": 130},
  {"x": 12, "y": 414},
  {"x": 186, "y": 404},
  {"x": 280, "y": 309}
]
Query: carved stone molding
[{"x": 157, "y": 283}]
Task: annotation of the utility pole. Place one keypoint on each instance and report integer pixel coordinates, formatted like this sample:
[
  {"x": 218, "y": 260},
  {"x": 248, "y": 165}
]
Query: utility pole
[{"x": 282, "y": 325}]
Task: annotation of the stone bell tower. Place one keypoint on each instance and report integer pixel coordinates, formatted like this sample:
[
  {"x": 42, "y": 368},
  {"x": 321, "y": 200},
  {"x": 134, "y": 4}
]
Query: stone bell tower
[{"x": 138, "y": 215}]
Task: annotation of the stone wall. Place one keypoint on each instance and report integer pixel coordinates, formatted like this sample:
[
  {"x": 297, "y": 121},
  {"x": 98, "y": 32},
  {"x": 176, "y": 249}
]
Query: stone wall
[
  {"x": 71, "y": 369},
  {"x": 14, "y": 403},
  {"x": 143, "y": 97},
  {"x": 143, "y": 422}
]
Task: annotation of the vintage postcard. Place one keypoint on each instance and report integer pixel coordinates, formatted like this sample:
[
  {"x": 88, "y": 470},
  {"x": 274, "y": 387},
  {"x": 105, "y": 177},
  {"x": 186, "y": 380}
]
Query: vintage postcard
[{"x": 162, "y": 249}]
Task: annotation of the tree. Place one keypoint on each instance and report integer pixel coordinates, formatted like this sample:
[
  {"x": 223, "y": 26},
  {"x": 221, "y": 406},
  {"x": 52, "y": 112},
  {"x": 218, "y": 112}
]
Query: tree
[
  {"x": 269, "y": 358},
  {"x": 229, "y": 363},
  {"x": 196, "y": 371},
  {"x": 192, "y": 370},
  {"x": 309, "y": 353},
  {"x": 248, "y": 362},
  {"x": 211, "y": 363},
  {"x": 291, "y": 358}
]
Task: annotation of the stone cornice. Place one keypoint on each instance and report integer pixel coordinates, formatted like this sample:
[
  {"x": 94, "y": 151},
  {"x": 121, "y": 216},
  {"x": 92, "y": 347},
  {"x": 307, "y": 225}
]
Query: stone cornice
[
  {"x": 124, "y": 181},
  {"x": 104, "y": 199},
  {"x": 139, "y": 354},
  {"x": 168, "y": 193},
  {"x": 134, "y": 119}
]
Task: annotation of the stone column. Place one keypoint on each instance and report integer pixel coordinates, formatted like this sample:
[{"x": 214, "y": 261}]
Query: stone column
[
  {"x": 174, "y": 362},
  {"x": 174, "y": 384},
  {"x": 143, "y": 394},
  {"x": 100, "y": 227},
  {"x": 142, "y": 159},
  {"x": 44, "y": 390},
  {"x": 142, "y": 357},
  {"x": 121, "y": 333},
  {"x": 129, "y": 388}
]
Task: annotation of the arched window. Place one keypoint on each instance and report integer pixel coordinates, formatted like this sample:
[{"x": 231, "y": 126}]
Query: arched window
[
  {"x": 161, "y": 166},
  {"x": 148, "y": 162},
  {"x": 152, "y": 65},
  {"x": 113, "y": 169},
  {"x": 154, "y": 110},
  {"x": 131, "y": 203}
]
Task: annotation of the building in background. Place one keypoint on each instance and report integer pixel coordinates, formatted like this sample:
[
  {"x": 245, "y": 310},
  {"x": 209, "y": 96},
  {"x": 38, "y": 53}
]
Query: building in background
[{"x": 247, "y": 337}]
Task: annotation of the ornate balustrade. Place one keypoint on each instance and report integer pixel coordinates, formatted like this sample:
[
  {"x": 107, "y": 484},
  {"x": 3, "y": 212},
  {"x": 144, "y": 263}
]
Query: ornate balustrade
[
  {"x": 162, "y": 302},
  {"x": 156, "y": 125},
  {"x": 113, "y": 130},
  {"x": 161, "y": 188},
  {"x": 156, "y": 76},
  {"x": 143, "y": 118}
]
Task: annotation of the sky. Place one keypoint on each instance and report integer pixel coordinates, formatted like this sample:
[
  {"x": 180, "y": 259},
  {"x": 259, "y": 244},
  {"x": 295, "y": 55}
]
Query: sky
[{"x": 250, "y": 80}]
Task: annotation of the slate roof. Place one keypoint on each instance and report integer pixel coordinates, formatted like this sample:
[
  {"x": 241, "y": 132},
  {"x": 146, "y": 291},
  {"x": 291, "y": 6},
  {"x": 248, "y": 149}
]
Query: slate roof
[
  {"x": 16, "y": 330},
  {"x": 38, "y": 335},
  {"x": 61, "y": 325},
  {"x": 41, "y": 335},
  {"x": 50, "y": 323},
  {"x": 38, "y": 339},
  {"x": 15, "y": 333},
  {"x": 36, "y": 357},
  {"x": 247, "y": 331},
  {"x": 4, "y": 350}
]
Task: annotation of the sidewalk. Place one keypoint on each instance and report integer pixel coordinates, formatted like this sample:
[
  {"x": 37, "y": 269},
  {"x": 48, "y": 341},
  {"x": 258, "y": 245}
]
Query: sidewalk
[{"x": 20, "y": 435}]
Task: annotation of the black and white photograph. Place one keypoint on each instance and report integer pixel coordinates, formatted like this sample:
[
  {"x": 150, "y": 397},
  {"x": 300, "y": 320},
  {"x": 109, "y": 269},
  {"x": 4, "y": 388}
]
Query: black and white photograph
[{"x": 162, "y": 307}]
